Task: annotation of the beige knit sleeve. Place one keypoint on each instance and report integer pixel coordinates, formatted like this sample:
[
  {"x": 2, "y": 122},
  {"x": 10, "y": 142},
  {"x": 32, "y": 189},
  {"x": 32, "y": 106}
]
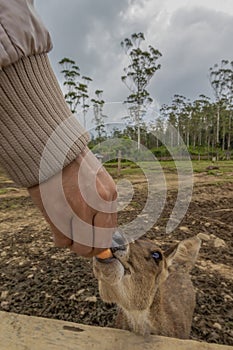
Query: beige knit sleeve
[
  {"x": 38, "y": 133},
  {"x": 22, "y": 33}
]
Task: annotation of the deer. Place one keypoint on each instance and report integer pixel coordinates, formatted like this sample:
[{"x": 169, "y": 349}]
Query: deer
[{"x": 152, "y": 289}]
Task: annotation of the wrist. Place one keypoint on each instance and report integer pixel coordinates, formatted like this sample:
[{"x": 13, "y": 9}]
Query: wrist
[{"x": 33, "y": 111}]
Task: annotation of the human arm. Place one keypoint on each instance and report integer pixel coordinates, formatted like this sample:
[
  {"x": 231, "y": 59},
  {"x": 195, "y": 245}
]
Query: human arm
[{"x": 40, "y": 138}]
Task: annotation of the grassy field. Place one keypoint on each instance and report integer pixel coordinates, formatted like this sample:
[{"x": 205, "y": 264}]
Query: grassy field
[
  {"x": 225, "y": 168},
  {"x": 224, "y": 171}
]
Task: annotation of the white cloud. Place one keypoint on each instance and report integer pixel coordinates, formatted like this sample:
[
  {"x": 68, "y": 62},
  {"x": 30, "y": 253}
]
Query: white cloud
[
  {"x": 194, "y": 40},
  {"x": 191, "y": 34},
  {"x": 216, "y": 5}
]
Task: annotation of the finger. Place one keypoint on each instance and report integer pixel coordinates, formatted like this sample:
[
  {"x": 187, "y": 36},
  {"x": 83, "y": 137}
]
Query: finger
[
  {"x": 49, "y": 198},
  {"x": 60, "y": 240},
  {"x": 84, "y": 251},
  {"x": 82, "y": 214},
  {"x": 81, "y": 249},
  {"x": 104, "y": 195},
  {"x": 98, "y": 188},
  {"x": 82, "y": 229},
  {"x": 104, "y": 227}
]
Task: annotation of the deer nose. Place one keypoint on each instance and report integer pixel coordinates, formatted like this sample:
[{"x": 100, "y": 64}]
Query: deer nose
[
  {"x": 119, "y": 242},
  {"x": 115, "y": 249}
]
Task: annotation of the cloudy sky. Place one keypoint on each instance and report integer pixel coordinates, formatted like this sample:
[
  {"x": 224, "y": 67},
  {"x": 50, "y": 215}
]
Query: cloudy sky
[{"x": 192, "y": 35}]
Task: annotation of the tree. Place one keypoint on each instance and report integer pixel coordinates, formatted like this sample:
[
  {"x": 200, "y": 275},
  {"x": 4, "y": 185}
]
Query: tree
[
  {"x": 77, "y": 88},
  {"x": 229, "y": 106},
  {"x": 221, "y": 80},
  {"x": 182, "y": 109},
  {"x": 178, "y": 115},
  {"x": 98, "y": 104},
  {"x": 71, "y": 73},
  {"x": 201, "y": 122},
  {"x": 137, "y": 76},
  {"x": 156, "y": 130},
  {"x": 82, "y": 92}
]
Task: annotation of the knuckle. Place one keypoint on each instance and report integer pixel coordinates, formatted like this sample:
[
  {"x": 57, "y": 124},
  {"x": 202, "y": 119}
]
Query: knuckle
[
  {"x": 105, "y": 194},
  {"x": 114, "y": 194},
  {"x": 81, "y": 250},
  {"x": 109, "y": 193}
]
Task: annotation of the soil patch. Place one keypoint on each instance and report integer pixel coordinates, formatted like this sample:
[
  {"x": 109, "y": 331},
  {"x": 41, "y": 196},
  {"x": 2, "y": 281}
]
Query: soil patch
[{"x": 38, "y": 279}]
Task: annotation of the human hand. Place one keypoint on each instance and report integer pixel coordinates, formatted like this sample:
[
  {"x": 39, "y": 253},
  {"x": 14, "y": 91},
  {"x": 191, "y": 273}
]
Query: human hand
[{"x": 80, "y": 205}]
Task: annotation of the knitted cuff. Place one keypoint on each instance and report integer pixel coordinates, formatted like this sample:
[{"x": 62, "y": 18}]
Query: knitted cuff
[{"x": 38, "y": 133}]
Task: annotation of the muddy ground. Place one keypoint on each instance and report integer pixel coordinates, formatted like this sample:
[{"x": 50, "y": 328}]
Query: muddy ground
[{"x": 38, "y": 279}]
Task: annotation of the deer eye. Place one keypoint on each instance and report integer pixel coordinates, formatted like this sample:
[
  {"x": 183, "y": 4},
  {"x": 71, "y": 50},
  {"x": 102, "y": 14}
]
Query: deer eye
[{"x": 156, "y": 256}]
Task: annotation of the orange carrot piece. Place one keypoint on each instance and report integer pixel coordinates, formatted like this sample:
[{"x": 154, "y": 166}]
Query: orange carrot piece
[{"x": 105, "y": 254}]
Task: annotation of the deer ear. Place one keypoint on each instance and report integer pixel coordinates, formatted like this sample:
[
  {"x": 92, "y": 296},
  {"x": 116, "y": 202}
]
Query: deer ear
[{"x": 184, "y": 254}]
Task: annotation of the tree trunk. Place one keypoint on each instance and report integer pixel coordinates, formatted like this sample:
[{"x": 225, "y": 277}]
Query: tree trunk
[
  {"x": 208, "y": 146},
  {"x": 139, "y": 137},
  {"x": 188, "y": 139},
  {"x": 229, "y": 132},
  {"x": 229, "y": 137},
  {"x": 194, "y": 140},
  {"x": 217, "y": 127}
]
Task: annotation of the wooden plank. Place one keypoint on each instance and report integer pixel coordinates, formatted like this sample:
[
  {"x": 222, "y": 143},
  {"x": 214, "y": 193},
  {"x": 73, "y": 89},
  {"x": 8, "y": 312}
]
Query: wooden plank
[{"x": 20, "y": 332}]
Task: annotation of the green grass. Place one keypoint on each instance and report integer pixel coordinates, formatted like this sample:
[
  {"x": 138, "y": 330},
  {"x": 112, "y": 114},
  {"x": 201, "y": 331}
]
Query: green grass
[
  {"x": 225, "y": 166},
  {"x": 7, "y": 189},
  {"x": 130, "y": 168}
]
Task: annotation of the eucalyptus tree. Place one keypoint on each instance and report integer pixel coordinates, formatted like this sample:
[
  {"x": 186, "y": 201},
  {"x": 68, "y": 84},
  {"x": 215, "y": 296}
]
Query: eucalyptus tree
[
  {"x": 178, "y": 115},
  {"x": 201, "y": 122},
  {"x": 71, "y": 73},
  {"x": 169, "y": 118},
  {"x": 156, "y": 130},
  {"x": 137, "y": 75},
  {"x": 221, "y": 77},
  {"x": 83, "y": 96},
  {"x": 229, "y": 133},
  {"x": 195, "y": 123},
  {"x": 76, "y": 87},
  {"x": 229, "y": 107},
  {"x": 181, "y": 107},
  {"x": 98, "y": 104},
  {"x": 207, "y": 121}
]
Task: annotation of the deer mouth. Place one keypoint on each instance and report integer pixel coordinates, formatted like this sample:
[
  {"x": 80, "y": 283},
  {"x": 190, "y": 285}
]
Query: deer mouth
[
  {"x": 114, "y": 250},
  {"x": 105, "y": 261},
  {"x": 121, "y": 253},
  {"x": 119, "y": 248},
  {"x": 117, "y": 253}
]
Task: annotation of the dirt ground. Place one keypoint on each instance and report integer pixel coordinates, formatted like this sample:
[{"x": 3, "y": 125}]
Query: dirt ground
[{"x": 41, "y": 280}]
